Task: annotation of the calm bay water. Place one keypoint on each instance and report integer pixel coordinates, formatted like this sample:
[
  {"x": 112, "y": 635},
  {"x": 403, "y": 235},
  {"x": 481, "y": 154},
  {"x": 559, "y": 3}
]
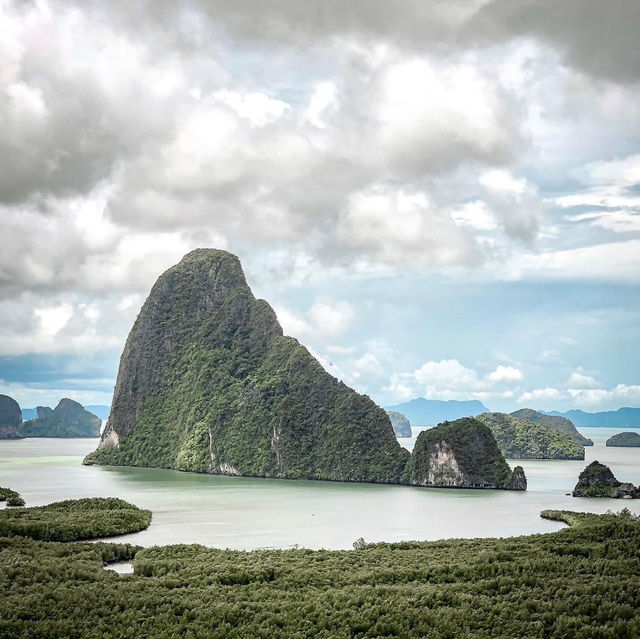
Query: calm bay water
[{"x": 247, "y": 513}]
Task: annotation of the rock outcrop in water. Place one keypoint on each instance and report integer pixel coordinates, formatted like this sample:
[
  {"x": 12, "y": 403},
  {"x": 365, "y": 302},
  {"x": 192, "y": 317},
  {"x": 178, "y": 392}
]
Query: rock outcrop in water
[
  {"x": 556, "y": 422},
  {"x": 401, "y": 425},
  {"x": 10, "y": 418},
  {"x": 518, "y": 439},
  {"x": 208, "y": 383},
  {"x": 597, "y": 480},
  {"x": 67, "y": 419},
  {"x": 461, "y": 454},
  {"x": 625, "y": 440}
]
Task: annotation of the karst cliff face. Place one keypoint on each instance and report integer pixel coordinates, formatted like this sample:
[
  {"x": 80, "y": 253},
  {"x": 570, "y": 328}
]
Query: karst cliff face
[
  {"x": 10, "y": 418},
  {"x": 207, "y": 382},
  {"x": 461, "y": 454}
]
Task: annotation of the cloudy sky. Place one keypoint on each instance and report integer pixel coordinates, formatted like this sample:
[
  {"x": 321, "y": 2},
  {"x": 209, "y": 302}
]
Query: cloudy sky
[{"x": 440, "y": 199}]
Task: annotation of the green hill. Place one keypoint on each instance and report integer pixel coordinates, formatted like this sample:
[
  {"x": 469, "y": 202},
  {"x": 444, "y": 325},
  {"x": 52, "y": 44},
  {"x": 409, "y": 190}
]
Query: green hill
[
  {"x": 556, "y": 422},
  {"x": 518, "y": 439},
  {"x": 67, "y": 419}
]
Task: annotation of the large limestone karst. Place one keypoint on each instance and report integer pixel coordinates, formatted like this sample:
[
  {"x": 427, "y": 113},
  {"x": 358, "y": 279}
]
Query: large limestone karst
[
  {"x": 10, "y": 418},
  {"x": 207, "y": 382},
  {"x": 556, "y": 422},
  {"x": 519, "y": 439},
  {"x": 67, "y": 419},
  {"x": 461, "y": 454}
]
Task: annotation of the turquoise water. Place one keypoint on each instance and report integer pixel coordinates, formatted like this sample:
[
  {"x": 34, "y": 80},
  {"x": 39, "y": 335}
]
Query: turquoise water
[{"x": 248, "y": 513}]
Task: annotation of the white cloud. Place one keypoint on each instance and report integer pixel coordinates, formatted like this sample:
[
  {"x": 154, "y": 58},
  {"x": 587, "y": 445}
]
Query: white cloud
[
  {"x": 403, "y": 228},
  {"x": 614, "y": 262},
  {"x": 326, "y": 318},
  {"x": 256, "y": 107},
  {"x": 505, "y": 374},
  {"x": 323, "y": 102},
  {"x": 52, "y": 320},
  {"x": 579, "y": 381},
  {"x": 449, "y": 379}
]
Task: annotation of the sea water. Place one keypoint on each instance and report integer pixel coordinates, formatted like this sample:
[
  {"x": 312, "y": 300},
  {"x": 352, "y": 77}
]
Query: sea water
[{"x": 249, "y": 513}]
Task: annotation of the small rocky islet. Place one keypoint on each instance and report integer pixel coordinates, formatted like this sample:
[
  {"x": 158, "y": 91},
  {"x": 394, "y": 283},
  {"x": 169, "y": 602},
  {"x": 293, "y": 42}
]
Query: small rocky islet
[
  {"x": 209, "y": 383},
  {"x": 597, "y": 480}
]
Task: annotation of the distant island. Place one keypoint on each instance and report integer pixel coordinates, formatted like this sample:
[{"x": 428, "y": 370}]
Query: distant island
[
  {"x": 625, "y": 417},
  {"x": 401, "y": 425},
  {"x": 562, "y": 424},
  {"x": 99, "y": 410},
  {"x": 208, "y": 383},
  {"x": 625, "y": 440},
  {"x": 597, "y": 480},
  {"x": 430, "y": 412},
  {"x": 520, "y": 439}
]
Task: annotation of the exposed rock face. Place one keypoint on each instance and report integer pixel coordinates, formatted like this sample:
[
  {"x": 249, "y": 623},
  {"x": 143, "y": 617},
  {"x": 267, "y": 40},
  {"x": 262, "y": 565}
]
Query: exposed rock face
[
  {"x": 626, "y": 439},
  {"x": 207, "y": 382},
  {"x": 401, "y": 425},
  {"x": 519, "y": 439},
  {"x": 556, "y": 422},
  {"x": 68, "y": 419},
  {"x": 461, "y": 454},
  {"x": 10, "y": 418},
  {"x": 597, "y": 480}
]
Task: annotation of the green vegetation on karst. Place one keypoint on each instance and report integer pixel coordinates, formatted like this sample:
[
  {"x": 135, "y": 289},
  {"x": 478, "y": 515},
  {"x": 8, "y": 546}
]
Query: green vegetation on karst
[
  {"x": 556, "y": 422},
  {"x": 578, "y": 583},
  {"x": 67, "y": 419},
  {"x": 462, "y": 453},
  {"x": 74, "y": 520},
  {"x": 221, "y": 390},
  {"x": 519, "y": 439}
]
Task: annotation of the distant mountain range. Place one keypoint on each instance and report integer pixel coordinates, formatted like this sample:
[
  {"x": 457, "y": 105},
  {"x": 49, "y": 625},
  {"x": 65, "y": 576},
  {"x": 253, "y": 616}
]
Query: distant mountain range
[
  {"x": 621, "y": 418},
  {"x": 99, "y": 410},
  {"x": 430, "y": 412}
]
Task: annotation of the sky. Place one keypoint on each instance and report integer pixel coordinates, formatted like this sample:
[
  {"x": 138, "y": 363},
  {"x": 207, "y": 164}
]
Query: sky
[{"x": 439, "y": 199}]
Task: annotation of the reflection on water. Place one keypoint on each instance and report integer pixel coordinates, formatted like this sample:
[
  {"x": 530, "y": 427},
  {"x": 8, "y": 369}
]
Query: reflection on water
[{"x": 246, "y": 513}]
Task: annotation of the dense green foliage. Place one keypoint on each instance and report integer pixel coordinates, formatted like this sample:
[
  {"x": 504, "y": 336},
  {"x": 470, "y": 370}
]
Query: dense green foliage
[
  {"x": 578, "y": 583},
  {"x": 74, "y": 520},
  {"x": 597, "y": 480},
  {"x": 519, "y": 439},
  {"x": 232, "y": 395},
  {"x": 11, "y": 497},
  {"x": 401, "y": 425},
  {"x": 556, "y": 422},
  {"x": 67, "y": 419},
  {"x": 461, "y": 454},
  {"x": 626, "y": 439}
]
